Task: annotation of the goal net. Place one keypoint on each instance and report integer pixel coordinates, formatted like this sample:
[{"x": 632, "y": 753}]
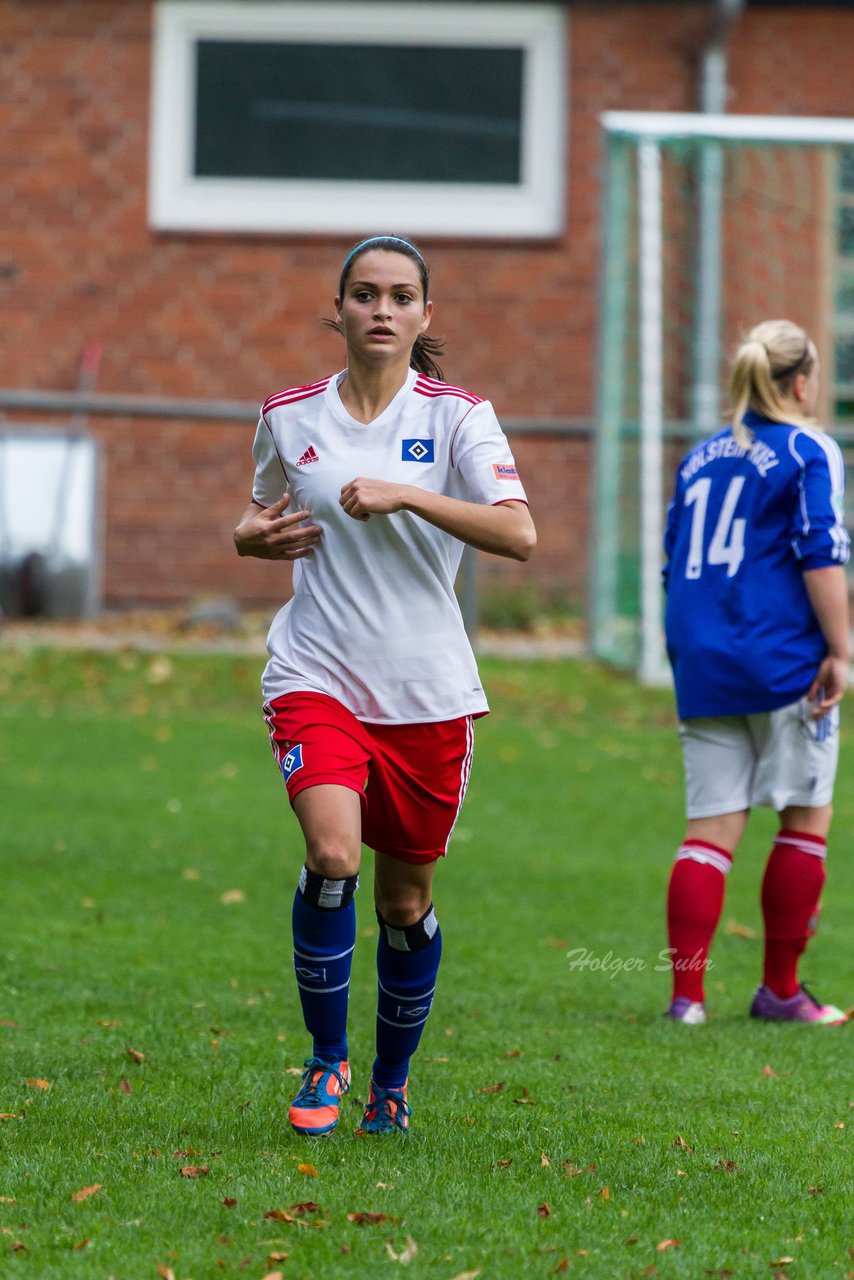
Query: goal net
[{"x": 711, "y": 224}]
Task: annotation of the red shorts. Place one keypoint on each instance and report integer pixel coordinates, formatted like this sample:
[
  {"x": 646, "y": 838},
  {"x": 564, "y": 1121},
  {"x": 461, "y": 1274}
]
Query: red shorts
[{"x": 411, "y": 778}]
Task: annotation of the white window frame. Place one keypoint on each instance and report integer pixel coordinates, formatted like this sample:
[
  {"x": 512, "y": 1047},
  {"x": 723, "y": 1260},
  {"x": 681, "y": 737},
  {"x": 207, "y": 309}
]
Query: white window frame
[{"x": 181, "y": 201}]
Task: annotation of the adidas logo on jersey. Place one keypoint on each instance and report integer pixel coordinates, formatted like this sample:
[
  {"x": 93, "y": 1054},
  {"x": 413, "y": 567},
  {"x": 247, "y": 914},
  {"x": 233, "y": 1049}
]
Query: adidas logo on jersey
[{"x": 308, "y": 456}]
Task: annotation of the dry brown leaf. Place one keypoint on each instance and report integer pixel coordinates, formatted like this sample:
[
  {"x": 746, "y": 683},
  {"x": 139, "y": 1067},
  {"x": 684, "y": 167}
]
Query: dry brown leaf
[
  {"x": 135, "y": 1054},
  {"x": 38, "y": 1084},
  {"x": 307, "y": 1170},
  {"x": 279, "y": 1215},
  {"x": 504, "y": 1164},
  {"x": 8, "y": 1200},
  {"x": 667, "y": 1244},
  {"x": 274, "y": 1275},
  {"x": 8, "y": 1022},
  {"x": 81, "y": 1244},
  {"x": 726, "y": 1164},
  {"x": 766, "y": 1071},
  {"x": 682, "y": 1144},
  {"x": 278, "y": 1256},
  {"x": 562, "y": 1265},
  {"x": 368, "y": 1219},
  {"x": 305, "y": 1206},
  {"x": 544, "y": 1210},
  {"x": 194, "y": 1170},
  {"x": 125, "y": 1086},
  {"x": 605, "y": 1193},
  {"x": 18, "y": 1246},
  {"x": 229, "y": 1202},
  {"x": 545, "y": 1162},
  {"x": 572, "y": 1171},
  {"x": 492, "y": 1088},
  {"x": 781, "y": 1262},
  {"x": 165, "y": 1273},
  {"x": 10, "y": 1115},
  {"x": 815, "y": 1191},
  {"x": 467, "y": 1275},
  {"x": 85, "y": 1192}
]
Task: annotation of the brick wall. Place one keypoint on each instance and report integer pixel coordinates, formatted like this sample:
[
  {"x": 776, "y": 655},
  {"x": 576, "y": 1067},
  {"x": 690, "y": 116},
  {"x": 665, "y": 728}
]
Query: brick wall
[{"x": 238, "y": 316}]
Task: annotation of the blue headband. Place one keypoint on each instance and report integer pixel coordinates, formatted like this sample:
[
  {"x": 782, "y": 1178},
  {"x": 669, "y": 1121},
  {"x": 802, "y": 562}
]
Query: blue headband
[{"x": 370, "y": 240}]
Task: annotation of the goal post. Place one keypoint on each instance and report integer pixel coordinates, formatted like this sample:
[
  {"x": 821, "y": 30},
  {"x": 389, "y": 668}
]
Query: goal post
[{"x": 711, "y": 223}]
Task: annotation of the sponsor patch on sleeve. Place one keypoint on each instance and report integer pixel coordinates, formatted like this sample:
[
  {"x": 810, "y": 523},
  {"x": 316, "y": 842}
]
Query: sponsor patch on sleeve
[{"x": 505, "y": 471}]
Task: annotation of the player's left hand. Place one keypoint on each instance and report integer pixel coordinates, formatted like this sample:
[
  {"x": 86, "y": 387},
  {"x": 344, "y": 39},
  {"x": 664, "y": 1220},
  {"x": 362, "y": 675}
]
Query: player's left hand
[
  {"x": 829, "y": 685},
  {"x": 363, "y": 498}
]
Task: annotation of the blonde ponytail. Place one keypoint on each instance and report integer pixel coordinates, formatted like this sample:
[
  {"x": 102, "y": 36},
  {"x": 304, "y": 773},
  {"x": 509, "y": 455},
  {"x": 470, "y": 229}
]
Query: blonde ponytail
[{"x": 763, "y": 371}]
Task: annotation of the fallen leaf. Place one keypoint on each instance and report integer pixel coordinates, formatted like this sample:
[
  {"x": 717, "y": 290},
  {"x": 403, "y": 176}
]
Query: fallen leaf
[
  {"x": 229, "y": 1202},
  {"x": 308, "y": 1170},
  {"x": 680, "y": 1173},
  {"x": 766, "y": 1071},
  {"x": 18, "y": 1246},
  {"x": 572, "y": 1171},
  {"x": 124, "y": 1085},
  {"x": 231, "y": 896},
  {"x": 407, "y": 1253},
  {"x": 279, "y": 1215},
  {"x": 682, "y": 1144},
  {"x": 305, "y": 1206},
  {"x": 492, "y": 1088},
  {"x": 8, "y": 1022},
  {"x": 368, "y": 1219},
  {"x": 781, "y": 1262},
  {"x": 135, "y": 1054},
  {"x": 667, "y": 1244},
  {"x": 81, "y": 1244},
  {"x": 631, "y": 1240},
  {"x": 544, "y": 1210},
  {"x": 467, "y": 1275},
  {"x": 165, "y": 1273},
  {"x": 278, "y": 1256},
  {"x": 605, "y": 1193},
  {"x": 38, "y": 1084},
  {"x": 815, "y": 1191},
  {"x": 274, "y": 1275},
  {"x": 839, "y": 1124},
  {"x": 85, "y": 1192},
  {"x": 545, "y": 1162},
  {"x": 10, "y": 1115},
  {"x": 107, "y": 1022},
  {"x": 194, "y": 1170},
  {"x": 562, "y": 1265},
  {"x": 736, "y": 930},
  {"x": 504, "y": 1164},
  {"x": 8, "y": 1200},
  {"x": 726, "y": 1164},
  {"x": 513, "y": 1053}
]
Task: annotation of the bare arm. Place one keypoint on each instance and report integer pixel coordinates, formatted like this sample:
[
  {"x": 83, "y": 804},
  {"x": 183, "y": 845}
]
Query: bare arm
[
  {"x": 504, "y": 530},
  {"x": 269, "y": 534},
  {"x": 828, "y": 592}
]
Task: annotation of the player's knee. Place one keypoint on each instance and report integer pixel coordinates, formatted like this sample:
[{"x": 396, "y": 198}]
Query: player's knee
[
  {"x": 404, "y": 905},
  {"x": 332, "y": 859}
]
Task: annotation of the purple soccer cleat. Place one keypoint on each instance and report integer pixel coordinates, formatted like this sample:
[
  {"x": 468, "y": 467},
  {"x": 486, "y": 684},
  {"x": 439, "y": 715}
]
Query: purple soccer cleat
[
  {"x": 691, "y": 1012},
  {"x": 801, "y": 1007}
]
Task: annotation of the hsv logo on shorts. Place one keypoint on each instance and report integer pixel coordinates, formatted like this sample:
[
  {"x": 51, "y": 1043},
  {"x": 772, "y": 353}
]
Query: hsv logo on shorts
[
  {"x": 503, "y": 471},
  {"x": 292, "y": 761},
  {"x": 418, "y": 451}
]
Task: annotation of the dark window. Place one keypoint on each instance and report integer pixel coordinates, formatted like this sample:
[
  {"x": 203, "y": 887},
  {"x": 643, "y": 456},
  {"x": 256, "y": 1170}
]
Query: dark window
[{"x": 399, "y": 113}]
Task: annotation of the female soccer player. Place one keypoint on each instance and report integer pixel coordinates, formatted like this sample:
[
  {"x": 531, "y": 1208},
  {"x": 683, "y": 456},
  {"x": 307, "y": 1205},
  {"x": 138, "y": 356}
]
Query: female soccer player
[
  {"x": 758, "y": 639},
  {"x": 370, "y": 481}
]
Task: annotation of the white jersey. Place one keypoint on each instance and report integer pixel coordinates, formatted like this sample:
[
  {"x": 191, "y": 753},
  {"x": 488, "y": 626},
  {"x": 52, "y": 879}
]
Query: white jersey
[{"x": 374, "y": 621}]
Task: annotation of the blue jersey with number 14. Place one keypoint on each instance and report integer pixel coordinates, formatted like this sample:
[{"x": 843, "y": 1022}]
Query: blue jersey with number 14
[{"x": 742, "y": 527}]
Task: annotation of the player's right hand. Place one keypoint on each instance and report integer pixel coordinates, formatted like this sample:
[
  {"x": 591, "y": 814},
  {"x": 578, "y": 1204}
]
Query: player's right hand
[{"x": 269, "y": 534}]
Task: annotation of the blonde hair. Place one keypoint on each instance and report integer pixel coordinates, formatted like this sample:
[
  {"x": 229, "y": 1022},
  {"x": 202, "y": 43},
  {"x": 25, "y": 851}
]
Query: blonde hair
[{"x": 763, "y": 372}]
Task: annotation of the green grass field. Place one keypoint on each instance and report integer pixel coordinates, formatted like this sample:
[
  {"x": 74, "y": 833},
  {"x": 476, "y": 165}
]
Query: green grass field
[{"x": 149, "y": 1022}]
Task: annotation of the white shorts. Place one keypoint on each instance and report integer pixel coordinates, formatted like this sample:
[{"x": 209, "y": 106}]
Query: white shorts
[{"x": 773, "y": 759}]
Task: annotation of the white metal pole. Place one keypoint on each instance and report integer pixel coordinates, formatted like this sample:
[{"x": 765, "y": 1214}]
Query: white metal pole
[{"x": 651, "y": 406}]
